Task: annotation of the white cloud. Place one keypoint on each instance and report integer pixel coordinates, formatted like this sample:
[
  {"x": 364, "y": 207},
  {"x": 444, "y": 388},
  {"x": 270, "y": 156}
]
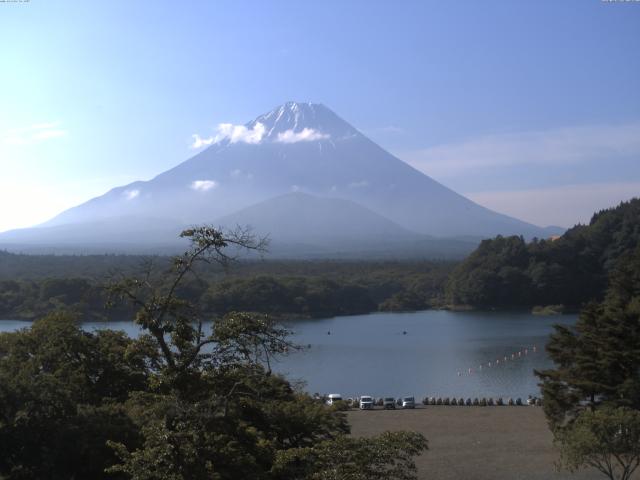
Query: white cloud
[
  {"x": 305, "y": 135},
  {"x": 564, "y": 205},
  {"x": 240, "y": 133},
  {"x": 131, "y": 194},
  {"x": 295, "y": 188},
  {"x": 33, "y": 134},
  {"x": 359, "y": 184},
  {"x": 199, "y": 142},
  {"x": 571, "y": 145},
  {"x": 234, "y": 133},
  {"x": 204, "y": 185}
]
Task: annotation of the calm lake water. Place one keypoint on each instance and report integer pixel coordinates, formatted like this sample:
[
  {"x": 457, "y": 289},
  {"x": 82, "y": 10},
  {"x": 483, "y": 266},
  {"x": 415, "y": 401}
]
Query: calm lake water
[{"x": 372, "y": 355}]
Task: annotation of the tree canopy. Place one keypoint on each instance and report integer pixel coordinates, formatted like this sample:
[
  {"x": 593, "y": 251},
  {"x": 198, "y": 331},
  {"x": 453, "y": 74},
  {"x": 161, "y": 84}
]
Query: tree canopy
[
  {"x": 182, "y": 401},
  {"x": 570, "y": 270},
  {"x": 598, "y": 361}
]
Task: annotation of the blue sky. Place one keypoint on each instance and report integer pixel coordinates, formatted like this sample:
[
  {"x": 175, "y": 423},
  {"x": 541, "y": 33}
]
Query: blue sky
[{"x": 530, "y": 108}]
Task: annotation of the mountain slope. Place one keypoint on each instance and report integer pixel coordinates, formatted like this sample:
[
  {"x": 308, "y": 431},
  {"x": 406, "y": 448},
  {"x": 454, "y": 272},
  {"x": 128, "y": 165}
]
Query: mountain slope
[
  {"x": 300, "y": 225},
  {"x": 300, "y": 217},
  {"x": 296, "y": 147}
]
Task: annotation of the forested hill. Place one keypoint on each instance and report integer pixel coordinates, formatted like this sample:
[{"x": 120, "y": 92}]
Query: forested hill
[
  {"x": 32, "y": 286},
  {"x": 570, "y": 270}
]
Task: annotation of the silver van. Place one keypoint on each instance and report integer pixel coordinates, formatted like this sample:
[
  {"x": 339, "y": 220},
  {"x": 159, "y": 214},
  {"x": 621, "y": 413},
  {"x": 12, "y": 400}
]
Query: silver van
[{"x": 408, "y": 402}]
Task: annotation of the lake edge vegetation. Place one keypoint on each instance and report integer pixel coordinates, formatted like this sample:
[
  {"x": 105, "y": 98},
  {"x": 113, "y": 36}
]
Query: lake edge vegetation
[{"x": 176, "y": 403}]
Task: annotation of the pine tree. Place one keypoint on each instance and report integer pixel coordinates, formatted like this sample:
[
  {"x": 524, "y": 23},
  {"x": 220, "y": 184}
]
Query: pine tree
[{"x": 598, "y": 362}]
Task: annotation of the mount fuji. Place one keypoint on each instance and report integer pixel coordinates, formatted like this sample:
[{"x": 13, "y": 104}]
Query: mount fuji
[{"x": 299, "y": 173}]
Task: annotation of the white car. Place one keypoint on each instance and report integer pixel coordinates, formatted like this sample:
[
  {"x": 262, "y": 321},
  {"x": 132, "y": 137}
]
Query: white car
[
  {"x": 333, "y": 398},
  {"x": 389, "y": 403},
  {"x": 408, "y": 402},
  {"x": 366, "y": 402}
]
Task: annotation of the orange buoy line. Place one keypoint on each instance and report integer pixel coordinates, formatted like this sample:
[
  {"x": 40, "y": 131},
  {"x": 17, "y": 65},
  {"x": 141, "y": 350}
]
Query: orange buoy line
[{"x": 505, "y": 359}]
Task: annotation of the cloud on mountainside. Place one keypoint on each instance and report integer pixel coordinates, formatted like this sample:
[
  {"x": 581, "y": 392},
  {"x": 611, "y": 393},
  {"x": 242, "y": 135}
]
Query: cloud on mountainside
[
  {"x": 199, "y": 142},
  {"x": 33, "y": 134},
  {"x": 254, "y": 135},
  {"x": 203, "y": 185},
  {"x": 305, "y": 135},
  {"x": 131, "y": 194},
  {"x": 234, "y": 133}
]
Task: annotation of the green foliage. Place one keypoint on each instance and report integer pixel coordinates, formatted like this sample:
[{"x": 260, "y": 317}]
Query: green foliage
[
  {"x": 289, "y": 296},
  {"x": 606, "y": 439},
  {"x": 571, "y": 270},
  {"x": 598, "y": 362},
  {"x": 280, "y": 289},
  {"x": 60, "y": 397},
  {"x": 179, "y": 402},
  {"x": 389, "y": 456}
]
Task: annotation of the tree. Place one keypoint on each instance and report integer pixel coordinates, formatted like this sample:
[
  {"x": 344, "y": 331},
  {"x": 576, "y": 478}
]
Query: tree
[
  {"x": 216, "y": 409},
  {"x": 184, "y": 400},
  {"x": 606, "y": 439},
  {"x": 389, "y": 456},
  {"x": 598, "y": 362},
  {"x": 592, "y": 397},
  {"x": 60, "y": 399}
]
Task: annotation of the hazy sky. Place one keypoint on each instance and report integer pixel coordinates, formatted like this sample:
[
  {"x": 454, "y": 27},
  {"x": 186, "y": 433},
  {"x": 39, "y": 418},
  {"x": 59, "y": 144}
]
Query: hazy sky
[{"x": 530, "y": 108}]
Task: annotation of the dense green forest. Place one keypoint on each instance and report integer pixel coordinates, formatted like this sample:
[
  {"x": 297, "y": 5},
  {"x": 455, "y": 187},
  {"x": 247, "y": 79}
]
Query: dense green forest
[
  {"x": 174, "y": 403},
  {"x": 569, "y": 270},
  {"x": 504, "y": 272},
  {"x": 31, "y": 286},
  {"x": 592, "y": 393}
]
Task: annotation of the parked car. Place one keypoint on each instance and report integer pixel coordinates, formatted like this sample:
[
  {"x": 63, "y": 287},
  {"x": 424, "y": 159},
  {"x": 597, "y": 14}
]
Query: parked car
[
  {"x": 408, "y": 402},
  {"x": 333, "y": 397},
  {"x": 366, "y": 402},
  {"x": 389, "y": 403}
]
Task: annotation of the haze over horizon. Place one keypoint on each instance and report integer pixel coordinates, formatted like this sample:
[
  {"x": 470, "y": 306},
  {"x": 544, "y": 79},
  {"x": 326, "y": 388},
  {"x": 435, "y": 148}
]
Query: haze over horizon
[{"x": 540, "y": 124}]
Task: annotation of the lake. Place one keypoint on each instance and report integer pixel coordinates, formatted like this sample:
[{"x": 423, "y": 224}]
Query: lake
[{"x": 429, "y": 353}]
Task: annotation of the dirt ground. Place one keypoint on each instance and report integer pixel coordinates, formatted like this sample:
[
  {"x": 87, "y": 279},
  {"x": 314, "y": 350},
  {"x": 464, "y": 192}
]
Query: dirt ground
[{"x": 475, "y": 443}]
